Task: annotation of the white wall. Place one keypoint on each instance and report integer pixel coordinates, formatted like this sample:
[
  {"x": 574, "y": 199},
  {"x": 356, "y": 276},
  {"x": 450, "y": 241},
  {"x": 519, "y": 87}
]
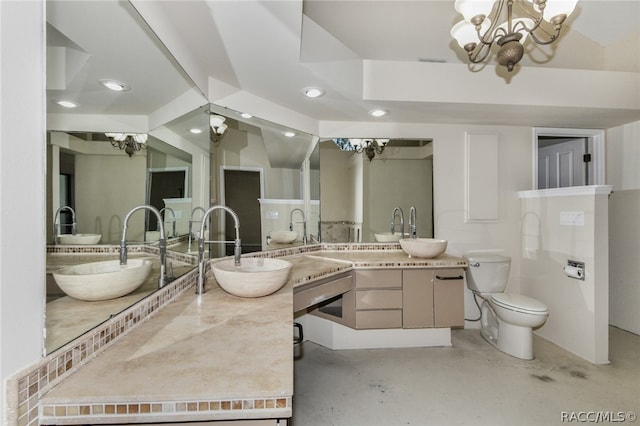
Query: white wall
[
  {"x": 103, "y": 197},
  {"x": 578, "y": 309},
  {"x": 623, "y": 172},
  {"x": 22, "y": 178}
]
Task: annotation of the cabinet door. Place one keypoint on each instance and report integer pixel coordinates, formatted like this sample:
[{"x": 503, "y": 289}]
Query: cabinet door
[
  {"x": 448, "y": 298},
  {"x": 417, "y": 298}
]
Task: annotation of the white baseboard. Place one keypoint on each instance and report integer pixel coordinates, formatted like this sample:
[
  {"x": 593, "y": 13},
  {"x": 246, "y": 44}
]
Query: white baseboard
[{"x": 336, "y": 336}]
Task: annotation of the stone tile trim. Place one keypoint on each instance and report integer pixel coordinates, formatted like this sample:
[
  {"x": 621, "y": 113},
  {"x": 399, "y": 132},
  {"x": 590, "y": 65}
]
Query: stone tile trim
[
  {"x": 34, "y": 382},
  {"x": 54, "y": 413},
  {"x": 24, "y": 389}
]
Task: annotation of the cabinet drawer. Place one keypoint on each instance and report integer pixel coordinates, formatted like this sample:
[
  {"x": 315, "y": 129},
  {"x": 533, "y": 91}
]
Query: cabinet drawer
[
  {"x": 324, "y": 290},
  {"x": 378, "y": 299},
  {"x": 390, "y": 318},
  {"x": 379, "y": 278}
]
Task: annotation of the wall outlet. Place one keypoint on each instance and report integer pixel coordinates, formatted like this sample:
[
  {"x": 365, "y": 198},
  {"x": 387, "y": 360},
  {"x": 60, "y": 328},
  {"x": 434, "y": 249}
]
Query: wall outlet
[
  {"x": 572, "y": 218},
  {"x": 271, "y": 214}
]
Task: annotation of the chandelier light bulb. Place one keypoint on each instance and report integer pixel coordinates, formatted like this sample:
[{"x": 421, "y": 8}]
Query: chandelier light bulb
[{"x": 476, "y": 35}]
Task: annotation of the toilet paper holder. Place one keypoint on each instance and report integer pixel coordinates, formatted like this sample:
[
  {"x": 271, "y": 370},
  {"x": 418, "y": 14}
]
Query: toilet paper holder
[{"x": 574, "y": 269}]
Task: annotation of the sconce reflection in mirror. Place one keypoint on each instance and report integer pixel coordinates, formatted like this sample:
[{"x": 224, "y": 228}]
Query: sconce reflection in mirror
[
  {"x": 370, "y": 147},
  {"x": 128, "y": 142},
  {"x": 217, "y": 127}
]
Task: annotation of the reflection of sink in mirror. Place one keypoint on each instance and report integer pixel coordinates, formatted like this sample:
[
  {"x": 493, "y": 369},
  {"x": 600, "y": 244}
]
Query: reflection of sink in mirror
[
  {"x": 102, "y": 280},
  {"x": 284, "y": 237},
  {"x": 79, "y": 238},
  {"x": 255, "y": 277},
  {"x": 388, "y": 237},
  {"x": 423, "y": 247}
]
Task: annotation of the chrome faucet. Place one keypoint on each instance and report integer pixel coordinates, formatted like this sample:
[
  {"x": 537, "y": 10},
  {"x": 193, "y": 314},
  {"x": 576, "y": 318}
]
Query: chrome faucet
[
  {"x": 397, "y": 211},
  {"x": 173, "y": 216},
  {"x": 413, "y": 230},
  {"x": 304, "y": 224},
  {"x": 191, "y": 222},
  {"x": 237, "y": 250},
  {"x": 162, "y": 280},
  {"x": 57, "y": 225}
]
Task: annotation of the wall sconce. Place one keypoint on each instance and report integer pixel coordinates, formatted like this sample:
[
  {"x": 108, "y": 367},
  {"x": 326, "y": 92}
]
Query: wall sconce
[
  {"x": 128, "y": 142},
  {"x": 370, "y": 147},
  {"x": 217, "y": 127}
]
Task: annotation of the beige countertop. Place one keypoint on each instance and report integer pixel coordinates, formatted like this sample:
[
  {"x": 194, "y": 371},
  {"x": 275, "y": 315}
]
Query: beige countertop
[
  {"x": 67, "y": 318},
  {"x": 214, "y": 356}
]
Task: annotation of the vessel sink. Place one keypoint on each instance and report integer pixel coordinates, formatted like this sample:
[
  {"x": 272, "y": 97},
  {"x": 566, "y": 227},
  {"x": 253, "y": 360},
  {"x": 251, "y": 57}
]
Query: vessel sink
[
  {"x": 255, "y": 277},
  {"x": 102, "y": 280},
  {"x": 388, "y": 237},
  {"x": 79, "y": 238},
  {"x": 423, "y": 247},
  {"x": 284, "y": 237}
]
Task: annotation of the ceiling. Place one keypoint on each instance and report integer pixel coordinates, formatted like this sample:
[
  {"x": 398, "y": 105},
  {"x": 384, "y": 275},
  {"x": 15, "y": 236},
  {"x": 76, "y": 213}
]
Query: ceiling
[{"x": 258, "y": 56}]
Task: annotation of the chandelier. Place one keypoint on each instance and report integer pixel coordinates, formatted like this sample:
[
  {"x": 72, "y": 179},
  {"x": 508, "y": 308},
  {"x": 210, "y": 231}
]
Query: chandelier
[
  {"x": 217, "y": 127},
  {"x": 480, "y": 29},
  {"x": 128, "y": 142},
  {"x": 370, "y": 147}
]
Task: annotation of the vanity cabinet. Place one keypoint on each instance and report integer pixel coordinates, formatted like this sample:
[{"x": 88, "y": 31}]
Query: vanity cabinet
[
  {"x": 389, "y": 298},
  {"x": 433, "y": 298}
]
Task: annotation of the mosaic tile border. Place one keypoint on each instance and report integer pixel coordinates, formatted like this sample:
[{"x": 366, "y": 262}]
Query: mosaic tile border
[
  {"x": 51, "y": 413},
  {"x": 32, "y": 383},
  {"x": 24, "y": 389}
]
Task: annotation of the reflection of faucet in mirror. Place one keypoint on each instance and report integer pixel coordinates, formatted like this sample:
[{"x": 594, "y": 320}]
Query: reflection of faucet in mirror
[
  {"x": 173, "y": 219},
  {"x": 57, "y": 225},
  {"x": 304, "y": 224},
  {"x": 162, "y": 280},
  {"x": 397, "y": 211},
  {"x": 413, "y": 230},
  {"x": 192, "y": 221},
  {"x": 201, "y": 242}
]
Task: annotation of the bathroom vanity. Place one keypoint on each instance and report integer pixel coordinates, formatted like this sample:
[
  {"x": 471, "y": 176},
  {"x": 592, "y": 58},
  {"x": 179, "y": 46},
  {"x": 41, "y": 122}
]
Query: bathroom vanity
[{"x": 218, "y": 357}]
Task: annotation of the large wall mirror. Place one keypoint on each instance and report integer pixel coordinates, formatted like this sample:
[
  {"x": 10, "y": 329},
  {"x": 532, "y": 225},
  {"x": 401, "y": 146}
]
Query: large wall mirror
[
  {"x": 364, "y": 193},
  {"x": 102, "y": 183}
]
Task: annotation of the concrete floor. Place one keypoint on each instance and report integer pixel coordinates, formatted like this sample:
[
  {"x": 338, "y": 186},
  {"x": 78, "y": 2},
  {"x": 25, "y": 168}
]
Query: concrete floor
[{"x": 470, "y": 383}]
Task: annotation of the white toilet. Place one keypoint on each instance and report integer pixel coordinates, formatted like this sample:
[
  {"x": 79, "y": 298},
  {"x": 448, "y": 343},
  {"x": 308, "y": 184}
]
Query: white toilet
[{"x": 507, "y": 319}]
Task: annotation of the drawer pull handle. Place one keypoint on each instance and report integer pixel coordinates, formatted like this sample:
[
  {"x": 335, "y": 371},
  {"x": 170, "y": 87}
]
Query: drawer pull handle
[
  {"x": 300, "y": 338},
  {"x": 459, "y": 277}
]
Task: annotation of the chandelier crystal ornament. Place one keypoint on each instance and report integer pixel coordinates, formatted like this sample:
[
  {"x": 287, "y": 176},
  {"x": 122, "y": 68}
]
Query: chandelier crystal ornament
[
  {"x": 484, "y": 25},
  {"x": 217, "y": 127},
  {"x": 370, "y": 147},
  {"x": 128, "y": 142}
]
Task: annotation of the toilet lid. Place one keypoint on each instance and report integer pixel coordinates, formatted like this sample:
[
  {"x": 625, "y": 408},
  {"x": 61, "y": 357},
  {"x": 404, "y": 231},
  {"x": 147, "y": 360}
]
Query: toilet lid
[{"x": 520, "y": 303}]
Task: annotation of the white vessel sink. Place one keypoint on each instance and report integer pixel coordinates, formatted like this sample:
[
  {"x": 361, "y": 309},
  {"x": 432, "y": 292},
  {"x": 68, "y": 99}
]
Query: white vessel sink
[
  {"x": 284, "y": 237},
  {"x": 255, "y": 277},
  {"x": 102, "y": 280},
  {"x": 423, "y": 247},
  {"x": 388, "y": 237},
  {"x": 79, "y": 238}
]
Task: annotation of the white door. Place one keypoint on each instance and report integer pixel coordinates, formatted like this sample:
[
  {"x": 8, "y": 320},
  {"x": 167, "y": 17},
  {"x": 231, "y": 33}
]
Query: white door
[{"x": 562, "y": 163}]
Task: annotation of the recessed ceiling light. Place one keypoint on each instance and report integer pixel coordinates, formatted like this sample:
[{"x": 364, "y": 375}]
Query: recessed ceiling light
[
  {"x": 246, "y": 115},
  {"x": 289, "y": 134},
  {"x": 195, "y": 131},
  {"x": 67, "y": 104},
  {"x": 378, "y": 112},
  {"x": 115, "y": 85},
  {"x": 313, "y": 92}
]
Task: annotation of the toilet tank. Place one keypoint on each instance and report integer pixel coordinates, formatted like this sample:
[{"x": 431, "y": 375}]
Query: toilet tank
[{"x": 487, "y": 273}]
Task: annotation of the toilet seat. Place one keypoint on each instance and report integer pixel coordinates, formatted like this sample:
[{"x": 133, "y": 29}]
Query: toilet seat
[{"x": 519, "y": 303}]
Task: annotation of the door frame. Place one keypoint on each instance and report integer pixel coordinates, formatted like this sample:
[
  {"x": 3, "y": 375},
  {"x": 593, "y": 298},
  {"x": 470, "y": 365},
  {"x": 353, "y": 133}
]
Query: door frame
[
  {"x": 150, "y": 172},
  {"x": 242, "y": 169},
  {"x": 594, "y": 135},
  {"x": 223, "y": 217}
]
